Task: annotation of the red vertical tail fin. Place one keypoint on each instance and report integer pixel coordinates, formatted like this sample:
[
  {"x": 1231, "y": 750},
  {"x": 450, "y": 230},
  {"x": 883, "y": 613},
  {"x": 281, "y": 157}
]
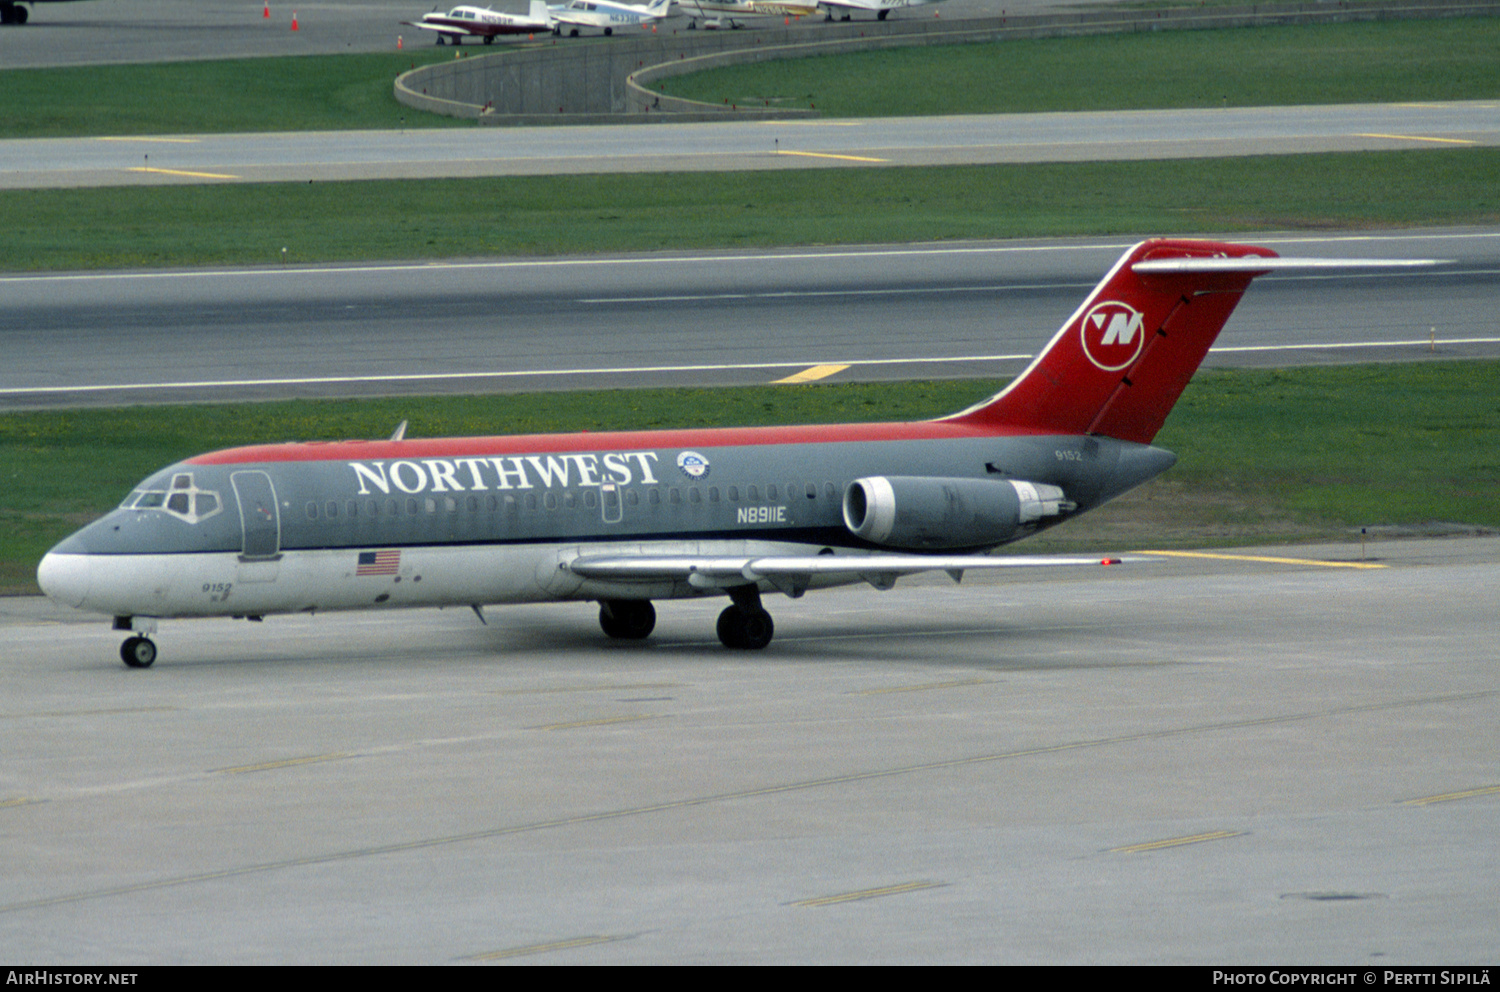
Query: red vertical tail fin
[{"x": 1121, "y": 361}]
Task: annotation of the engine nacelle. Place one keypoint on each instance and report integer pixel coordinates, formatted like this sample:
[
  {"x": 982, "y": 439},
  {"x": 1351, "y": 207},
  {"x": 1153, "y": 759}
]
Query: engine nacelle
[{"x": 940, "y": 514}]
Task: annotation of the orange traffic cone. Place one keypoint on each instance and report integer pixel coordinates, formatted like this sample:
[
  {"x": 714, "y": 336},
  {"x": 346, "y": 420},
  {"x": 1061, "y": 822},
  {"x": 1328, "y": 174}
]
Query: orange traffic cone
[
  {"x": 266, "y": 14},
  {"x": 398, "y": 43},
  {"x": 294, "y": 21}
]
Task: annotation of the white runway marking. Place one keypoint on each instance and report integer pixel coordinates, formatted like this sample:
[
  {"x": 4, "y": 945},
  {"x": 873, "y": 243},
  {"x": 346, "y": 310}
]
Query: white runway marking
[{"x": 658, "y": 369}]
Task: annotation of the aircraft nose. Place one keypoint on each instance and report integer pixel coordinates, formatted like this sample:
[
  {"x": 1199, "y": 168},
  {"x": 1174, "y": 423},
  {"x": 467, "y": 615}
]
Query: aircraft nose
[{"x": 64, "y": 578}]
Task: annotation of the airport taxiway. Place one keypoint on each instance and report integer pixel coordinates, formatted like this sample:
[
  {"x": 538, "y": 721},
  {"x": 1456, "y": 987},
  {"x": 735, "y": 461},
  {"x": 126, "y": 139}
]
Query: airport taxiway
[
  {"x": 1263, "y": 755},
  {"x": 1081, "y": 136}
]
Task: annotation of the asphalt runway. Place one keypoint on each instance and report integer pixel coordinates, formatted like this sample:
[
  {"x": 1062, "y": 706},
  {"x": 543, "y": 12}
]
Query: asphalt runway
[
  {"x": 1217, "y": 760},
  {"x": 858, "y": 314}
]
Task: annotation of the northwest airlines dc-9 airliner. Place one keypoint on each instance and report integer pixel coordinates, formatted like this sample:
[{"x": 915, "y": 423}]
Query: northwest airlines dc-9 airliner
[{"x": 626, "y": 518}]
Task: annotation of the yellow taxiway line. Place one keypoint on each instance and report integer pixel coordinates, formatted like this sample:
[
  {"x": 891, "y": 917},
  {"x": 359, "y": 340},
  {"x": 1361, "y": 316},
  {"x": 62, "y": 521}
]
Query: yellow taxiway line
[
  {"x": 1267, "y": 558},
  {"x": 556, "y": 945},
  {"x": 1448, "y": 797},
  {"x": 1157, "y": 845},
  {"x": 149, "y": 138},
  {"x": 1418, "y": 137},
  {"x": 181, "y": 172},
  {"x": 885, "y": 890},
  {"x": 592, "y": 723},
  {"x": 288, "y": 763},
  {"x": 846, "y": 158}
]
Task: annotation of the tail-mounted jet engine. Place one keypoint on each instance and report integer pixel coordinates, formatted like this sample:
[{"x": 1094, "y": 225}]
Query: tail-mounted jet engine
[{"x": 944, "y": 514}]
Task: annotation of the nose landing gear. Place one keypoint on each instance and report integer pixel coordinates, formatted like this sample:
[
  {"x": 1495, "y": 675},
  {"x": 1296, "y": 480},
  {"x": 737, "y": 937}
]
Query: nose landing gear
[{"x": 138, "y": 652}]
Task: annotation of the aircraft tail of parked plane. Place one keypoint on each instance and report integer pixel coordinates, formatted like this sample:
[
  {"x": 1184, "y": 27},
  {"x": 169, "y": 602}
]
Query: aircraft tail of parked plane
[{"x": 625, "y": 518}]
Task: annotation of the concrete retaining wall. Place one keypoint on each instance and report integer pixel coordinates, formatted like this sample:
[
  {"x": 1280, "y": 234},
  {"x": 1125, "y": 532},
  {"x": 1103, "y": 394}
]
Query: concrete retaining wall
[{"x": 578, "y": 81}]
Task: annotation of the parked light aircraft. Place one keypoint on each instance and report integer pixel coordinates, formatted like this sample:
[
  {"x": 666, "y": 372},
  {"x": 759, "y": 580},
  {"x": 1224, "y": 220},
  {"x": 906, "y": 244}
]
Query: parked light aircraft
[
  {"x": 606, "y": 14},
  {"x": 880, "y": 7},
  {"x": 716, "y": 13},
  {"x": 625, "y": 518},
  {"x": 481, "y": 22}
]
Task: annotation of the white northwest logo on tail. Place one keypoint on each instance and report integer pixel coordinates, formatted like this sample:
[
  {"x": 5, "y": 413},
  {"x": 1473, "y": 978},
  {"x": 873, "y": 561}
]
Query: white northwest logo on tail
[{"x": 1111, "y": 334}]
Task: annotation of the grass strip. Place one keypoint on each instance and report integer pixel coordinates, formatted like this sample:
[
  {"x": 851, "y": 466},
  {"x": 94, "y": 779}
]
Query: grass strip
[
  {"x": 295, "y": 93},
  {"x": 250, "y": 224},
  {"x": 1449, "y": 59},
  {"x": 1283, "y": 65},
  {"x": 1265, "y": 455}
]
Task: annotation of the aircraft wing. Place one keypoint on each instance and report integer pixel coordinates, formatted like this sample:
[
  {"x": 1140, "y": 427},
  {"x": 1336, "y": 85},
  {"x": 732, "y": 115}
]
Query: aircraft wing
[
  {"x": 791, "y": 8},
  {"x": 446, "y": 30},
  {"x": 793, "y": 574},
  {"x": 564, "y": 16}
]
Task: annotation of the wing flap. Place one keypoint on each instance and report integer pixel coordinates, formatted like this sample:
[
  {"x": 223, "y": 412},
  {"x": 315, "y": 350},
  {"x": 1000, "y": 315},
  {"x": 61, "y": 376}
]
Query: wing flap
[
  {"x": 447, "y": 32},
  {"x": 793, "y": 574}
]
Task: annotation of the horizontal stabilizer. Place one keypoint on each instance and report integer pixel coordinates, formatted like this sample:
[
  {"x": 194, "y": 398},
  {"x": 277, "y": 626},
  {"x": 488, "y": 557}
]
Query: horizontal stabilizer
[{"x": 1163, "y": 266}]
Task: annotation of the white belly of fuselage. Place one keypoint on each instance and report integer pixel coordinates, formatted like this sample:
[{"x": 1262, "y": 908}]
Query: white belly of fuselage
[{"x": 222, "y": 584}]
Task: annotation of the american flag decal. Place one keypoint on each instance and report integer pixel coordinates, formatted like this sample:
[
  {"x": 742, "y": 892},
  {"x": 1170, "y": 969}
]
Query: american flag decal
[{"x": 378, "y": 563}]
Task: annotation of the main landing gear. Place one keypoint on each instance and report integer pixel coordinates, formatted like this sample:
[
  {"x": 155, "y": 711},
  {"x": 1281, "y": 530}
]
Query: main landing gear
[
  {"x": 744, "y": 624},
  {"x": 748, "y": 629},
  {"x": 627, "y": 619}
]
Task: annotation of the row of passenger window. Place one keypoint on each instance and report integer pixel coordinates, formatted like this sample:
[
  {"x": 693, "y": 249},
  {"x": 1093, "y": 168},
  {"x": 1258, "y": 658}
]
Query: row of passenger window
[{"x": 569, "y": 498}]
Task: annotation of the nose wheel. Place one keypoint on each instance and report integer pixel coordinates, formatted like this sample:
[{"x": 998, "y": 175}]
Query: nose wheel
[{"x": 138, "y": 652}]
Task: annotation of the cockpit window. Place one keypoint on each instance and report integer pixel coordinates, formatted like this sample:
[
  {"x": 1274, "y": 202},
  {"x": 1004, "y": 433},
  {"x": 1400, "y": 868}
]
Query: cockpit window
[{"x": 184, "y": 500}]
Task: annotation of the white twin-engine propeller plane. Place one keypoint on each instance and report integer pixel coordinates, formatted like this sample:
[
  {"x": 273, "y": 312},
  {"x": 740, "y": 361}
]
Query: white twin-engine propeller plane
[{"x": 627, "y": 518}]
